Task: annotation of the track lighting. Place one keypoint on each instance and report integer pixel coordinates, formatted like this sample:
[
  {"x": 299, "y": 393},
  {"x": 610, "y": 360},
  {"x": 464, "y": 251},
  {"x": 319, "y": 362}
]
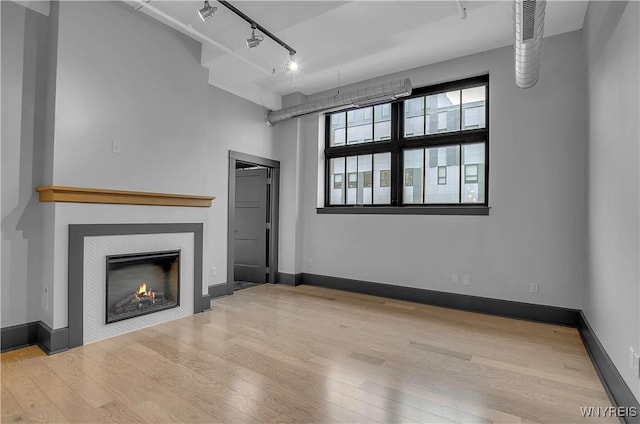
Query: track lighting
[
  {"x": 291, "y": 65},
  {"x": 207, "y": 11},
  {"x": 254, "y": 41}
]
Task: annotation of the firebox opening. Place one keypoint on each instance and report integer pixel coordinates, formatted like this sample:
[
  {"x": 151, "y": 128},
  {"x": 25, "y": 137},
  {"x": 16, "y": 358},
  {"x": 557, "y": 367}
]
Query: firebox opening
[{"x": 142, "y": 283}]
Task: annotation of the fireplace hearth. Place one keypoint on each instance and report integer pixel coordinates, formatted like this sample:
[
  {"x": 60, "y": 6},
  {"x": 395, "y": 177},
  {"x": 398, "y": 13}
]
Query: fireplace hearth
[{"x": 141, "y": 283}]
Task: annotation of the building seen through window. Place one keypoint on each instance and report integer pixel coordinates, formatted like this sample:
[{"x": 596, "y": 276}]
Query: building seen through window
[{"x": 430, "y": 149}]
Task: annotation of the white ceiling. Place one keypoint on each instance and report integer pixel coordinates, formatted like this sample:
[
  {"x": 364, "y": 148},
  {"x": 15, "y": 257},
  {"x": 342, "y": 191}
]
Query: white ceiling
[{"x": 342, "y": 42}]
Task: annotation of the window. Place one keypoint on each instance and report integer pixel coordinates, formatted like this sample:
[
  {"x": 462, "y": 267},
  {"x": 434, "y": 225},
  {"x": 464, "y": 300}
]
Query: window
[
  {"x": 423, "y": 151},
  {"x": 442, "y": 175},
  {"x": 471, "y": 173},
  {"x": 353, "y": 180},
  {"x": 408, "y": 177},
  {"x": 367, "y": 179},
  {"x": 385, "y": 178},
  {"x": 360, "y": 125},
  {"x": 337, "y": 181}
]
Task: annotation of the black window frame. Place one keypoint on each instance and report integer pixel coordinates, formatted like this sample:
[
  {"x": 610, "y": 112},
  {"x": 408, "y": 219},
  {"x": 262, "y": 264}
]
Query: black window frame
[{"x": 398, "y": 143}]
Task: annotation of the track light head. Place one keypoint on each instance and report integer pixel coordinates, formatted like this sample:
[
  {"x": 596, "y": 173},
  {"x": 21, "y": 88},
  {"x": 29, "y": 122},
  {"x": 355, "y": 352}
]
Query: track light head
[
  {"x": 254, "y": 41},
  {"x": 291, "y": 65},
  {"x": 207, "y": 11}
]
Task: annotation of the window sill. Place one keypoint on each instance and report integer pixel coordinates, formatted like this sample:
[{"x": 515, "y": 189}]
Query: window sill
[{"x": 404, "y": 210}]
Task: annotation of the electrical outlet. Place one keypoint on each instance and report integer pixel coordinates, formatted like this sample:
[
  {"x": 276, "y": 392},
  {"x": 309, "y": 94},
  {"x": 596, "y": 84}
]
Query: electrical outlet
[
  {"x": 636, "y": 364},
  {"x": 45, "y": 297},
  {"x": 631, "y": 354},
  {"x": 465, "y": 280},
  {"x": 213, "y": 272},
  {"x": 116, "y": 146},
  {"x": 310, "y": 262},
  {"x": 533, "y": 287},
  {"x": 454, "y": 279}
]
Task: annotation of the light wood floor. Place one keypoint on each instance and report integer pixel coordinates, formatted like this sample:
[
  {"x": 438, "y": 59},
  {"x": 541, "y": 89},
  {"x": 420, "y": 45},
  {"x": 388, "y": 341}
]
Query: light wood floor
[{"x": 306, "y": 354}]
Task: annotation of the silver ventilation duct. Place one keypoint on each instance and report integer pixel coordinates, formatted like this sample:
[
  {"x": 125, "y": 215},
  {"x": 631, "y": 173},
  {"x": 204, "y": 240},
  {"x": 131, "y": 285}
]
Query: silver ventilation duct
[
  {"x": 528, "y": 26},
  {"x": 365, "y": 96}
]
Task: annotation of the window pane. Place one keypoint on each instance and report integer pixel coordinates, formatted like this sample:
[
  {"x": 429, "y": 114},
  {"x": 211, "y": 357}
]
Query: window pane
[
  {"x": 336, "y": 181},
  {"x": 473, "y": 160},
  {"x": 359, "y": 125},
  {"x": 443, "y": 175},
  {"x": 414, "y": 117},
  {"x": 382, "y": 122},
  {"x": 443, "y": 112},
  {"x": 337, "y": 132},
  {"x": 364, "y": 179},
  {"x": 412, "y": 175},
  {"x": 352, "y": 180},
  {"x": 385, "y": 178},
  {"x": 382, "y": 178},
  {"x": 473, "y": 112},
  {"x": 471, "y": 173}
]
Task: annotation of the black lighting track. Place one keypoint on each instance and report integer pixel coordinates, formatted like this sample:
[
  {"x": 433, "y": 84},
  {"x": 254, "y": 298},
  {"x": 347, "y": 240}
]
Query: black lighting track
[{"x": 257, "y": 26}]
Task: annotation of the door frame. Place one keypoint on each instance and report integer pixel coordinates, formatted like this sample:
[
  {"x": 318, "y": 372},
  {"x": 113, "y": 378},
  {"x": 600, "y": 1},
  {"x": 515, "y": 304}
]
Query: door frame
[{"x": 274, "y": 165}]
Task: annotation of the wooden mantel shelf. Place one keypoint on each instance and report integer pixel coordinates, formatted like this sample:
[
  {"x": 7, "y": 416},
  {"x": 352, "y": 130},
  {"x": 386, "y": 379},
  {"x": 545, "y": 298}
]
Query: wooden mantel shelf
[{"x": 120, "y": 197}]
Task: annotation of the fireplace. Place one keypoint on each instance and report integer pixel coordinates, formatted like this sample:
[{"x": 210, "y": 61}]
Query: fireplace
[{"x": 141, "y": 283}]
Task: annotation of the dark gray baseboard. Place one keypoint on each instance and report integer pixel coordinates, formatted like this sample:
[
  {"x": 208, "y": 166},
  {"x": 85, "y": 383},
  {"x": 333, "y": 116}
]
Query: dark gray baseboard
[
  {"x": 289, "y": 279},
  {"x": 617, "y": 390},
  {"x": 218, "y": 290},
  {"x": 206, "y": 302},
  {"x": 485, "y": 305},
  {"x": 18, "y": 336},
  {"x": 50, "y": 341}
]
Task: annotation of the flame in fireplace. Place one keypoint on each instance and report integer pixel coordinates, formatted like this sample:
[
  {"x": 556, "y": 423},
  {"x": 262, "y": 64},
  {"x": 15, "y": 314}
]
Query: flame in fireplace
[{"x": 143, "y": 291}]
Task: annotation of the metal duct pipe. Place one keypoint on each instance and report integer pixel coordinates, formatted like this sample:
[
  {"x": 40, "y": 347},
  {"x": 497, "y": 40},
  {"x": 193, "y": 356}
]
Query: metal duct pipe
[
  {"x": 528, "y": 26},
  {"x": 365, "y": 96}
]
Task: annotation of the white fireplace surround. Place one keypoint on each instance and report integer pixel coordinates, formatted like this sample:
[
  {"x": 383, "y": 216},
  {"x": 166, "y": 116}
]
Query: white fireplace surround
[
  {"x": 90, "y": 244},
  {"x": 97, "y": 248}
]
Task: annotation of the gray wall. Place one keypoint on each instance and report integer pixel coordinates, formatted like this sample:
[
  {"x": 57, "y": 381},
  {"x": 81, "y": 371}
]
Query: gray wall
[
  {"x": 24, "y": 163},
  {"x": 536, "y": 228},
  {"x": 127, "y": 77},
  {"x": 290, "y": 149},
  {"x": 612, "y": 294}
]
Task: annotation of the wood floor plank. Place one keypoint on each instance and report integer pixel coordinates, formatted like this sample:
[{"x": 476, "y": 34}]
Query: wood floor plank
[
  {"x": 203, "y": 394},
  {"x": 293, "y": 380},
  {"x": 33, "y": 401},
  {"x": 281, "y": 354},
  {"x": 11, "y": 410},
  {"x": 251, "y": 386},
  {"x": 70, "y": 403},
  {"x": 122, "y": 380},
  {"x": 118, "y": 412},
  {"x": 583, "y": 382}
]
